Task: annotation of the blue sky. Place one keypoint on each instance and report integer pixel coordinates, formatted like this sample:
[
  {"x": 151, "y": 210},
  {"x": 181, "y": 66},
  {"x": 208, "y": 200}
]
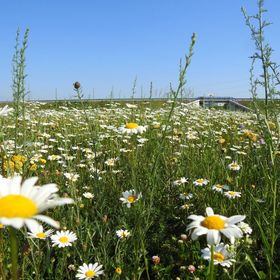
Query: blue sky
[{"x": 108, "y": 44}]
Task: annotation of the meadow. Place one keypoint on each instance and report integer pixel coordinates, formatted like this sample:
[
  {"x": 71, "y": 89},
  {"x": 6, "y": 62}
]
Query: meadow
[
  {"x": 141, "y": 190},
  {"x": 136, "y": 174}
]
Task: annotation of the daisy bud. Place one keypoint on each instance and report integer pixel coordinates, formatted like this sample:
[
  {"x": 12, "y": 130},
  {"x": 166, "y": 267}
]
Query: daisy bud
[
  {"x": 77, "y": 85},
  {"x": 156, "y": 260},
  {"x": 184, "y": 237},
  {"x": 191, "y": 268}
]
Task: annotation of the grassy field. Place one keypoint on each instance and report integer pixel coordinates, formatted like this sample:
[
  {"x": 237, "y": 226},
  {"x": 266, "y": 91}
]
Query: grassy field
[{"x": 136, "y": 174}]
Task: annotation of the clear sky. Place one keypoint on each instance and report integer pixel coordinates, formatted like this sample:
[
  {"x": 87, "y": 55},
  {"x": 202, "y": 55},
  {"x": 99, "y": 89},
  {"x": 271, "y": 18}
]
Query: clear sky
[{"x": 107, "y": 44}]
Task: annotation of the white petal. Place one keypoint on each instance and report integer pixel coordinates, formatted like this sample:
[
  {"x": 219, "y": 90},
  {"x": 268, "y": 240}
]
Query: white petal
[
  {"x": 28, "y": 185},
  {"x": 32, "y": 225},
  {"x": 235, "y": 219},
  {"x": 213, "y": 237},
  {"x": 48, "y": 220},
  {"x": 14, "y": 185},
  {"x": 209, "y": 211}
]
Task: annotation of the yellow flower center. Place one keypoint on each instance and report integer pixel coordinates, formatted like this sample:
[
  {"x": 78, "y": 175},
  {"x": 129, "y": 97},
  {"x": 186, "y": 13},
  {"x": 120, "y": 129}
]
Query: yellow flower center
[
  {"x": 63, "y": 239},
  {"x": 118, "y": 270},
  {"x": 213, "y": 222},
  {"x": 90, "y": 273},
  {"x": 131, "y": 198},
  {"x": 41, "y": 235},
  {"x": 231, "y": 193},
  {"x": 17, "y": 206},
  {"x": 200, "y": 181},
  {"x": 131, "y": 125},
  {"x": 219, "y": 257}
]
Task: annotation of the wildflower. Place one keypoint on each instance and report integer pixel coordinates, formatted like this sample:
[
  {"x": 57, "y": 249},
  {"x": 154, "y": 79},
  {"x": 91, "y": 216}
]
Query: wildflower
[
  {"x": 89, "y": 271},
  {"x": 111, "y": 161},
  {"x": 186, "y": 195},
  {"x": 232, "y": 194},
  {"x": 130, "y": 197},
  {"x": 72, "y": 176},
  {"x": 234, "y": 166},
  {"x": 220, "y": 188},
  {"x": 221, "y": 255},
  {"x": 191, "y": 268},
  {"x": 246, "y": 229},
  {"x": 37, "y": 231},
  {"x": 88, "y": 195},
  {"x": 132, "y": 128},
  {"x": 181, "y": 181},
  {"x": 215, "y": 225},
  {"x": 54, "y": 157},
  {"x": 63, "y": 238},
  {"x": 156, "y": 260},
  {"x": 118, "y": 270},
  {"x": 123, "y": 234},
  {"x": 200, "y": 182},
  {"x": 21, "y": 203},
  {"x": 5, "y": 111}
]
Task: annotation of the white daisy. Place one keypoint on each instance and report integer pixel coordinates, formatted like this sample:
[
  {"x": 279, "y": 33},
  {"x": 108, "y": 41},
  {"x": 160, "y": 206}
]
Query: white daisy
[
  {"x": 22, "y": 203},
  {"x": 5, "y": 111},
  {"x": 88, "y": 195},
  {"x": 132, "y": 128},
  {"x": 180, "y": 181},
  {"x": 89, "y": 271},
  {"x": 200, "y": 182},
  {"x": 123, "y": 234},
  {"x": 72, "y": 176},
  {"x": 234, "y": 166},
  {"x": 37, "y": 231},
  {"x": 221, "y": 255},
  {"x": 63, "y": 238},
  {"x": 130, "y": 197},
  {"x": 232, "y": 194},
  {"x": 215, "y": 225},
  {"x": 220, "y": 188}
]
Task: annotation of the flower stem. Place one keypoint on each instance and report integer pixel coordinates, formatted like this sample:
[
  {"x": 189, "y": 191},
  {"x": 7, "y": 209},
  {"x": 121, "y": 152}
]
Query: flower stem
[
  {"x": 14, "y": 253},
  {"x": 212, "y": 264}
]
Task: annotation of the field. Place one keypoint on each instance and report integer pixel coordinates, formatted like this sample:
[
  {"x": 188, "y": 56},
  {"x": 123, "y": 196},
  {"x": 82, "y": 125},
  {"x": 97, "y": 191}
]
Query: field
[{"x": 138, "y": 174}]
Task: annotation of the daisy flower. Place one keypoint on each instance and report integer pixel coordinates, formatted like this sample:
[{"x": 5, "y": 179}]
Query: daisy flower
[
  {"x": 232, "y": 194},
  {"x": 214, "y": 226},
  {"x": 89, "y": 271},
  {"x": 200, "y": 182},
  {"x": 132, "y": 128},
  {"x": 180, "y": 181},
  {"x": 88, "y": 195},
  {"x": 186, "y": 196},
  {"x": 22, "y": 203},
  {"x": 37, "y": 231},
  {"x": 220, "y": 188},
  {"x": 130, "y": 197},
  {"x": 123, "y": 234},
  {"x": 221, "y": 255},
  {"x": 5, "y": 111},
  {"x": 234, "y": 166},
  {"x": 63, "y": 238}
]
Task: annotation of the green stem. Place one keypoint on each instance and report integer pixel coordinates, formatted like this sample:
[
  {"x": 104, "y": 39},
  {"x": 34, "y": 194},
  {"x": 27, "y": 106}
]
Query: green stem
[
  {"x": 14, "y": 253},
  {"x": 212, "y": 263}
]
